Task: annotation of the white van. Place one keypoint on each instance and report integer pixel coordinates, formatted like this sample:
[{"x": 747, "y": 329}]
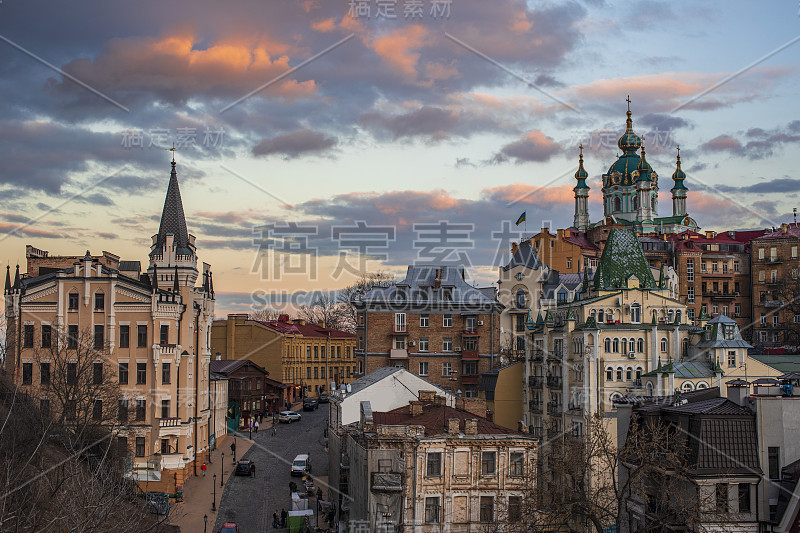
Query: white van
[{"x": 301, "y": 465}]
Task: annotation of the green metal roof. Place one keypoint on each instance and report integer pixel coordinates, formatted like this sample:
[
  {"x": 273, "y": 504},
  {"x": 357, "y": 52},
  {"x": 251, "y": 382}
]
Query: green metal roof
[
  {"x": 782, "y": 363},
  {"x": 622, "y": 259}
]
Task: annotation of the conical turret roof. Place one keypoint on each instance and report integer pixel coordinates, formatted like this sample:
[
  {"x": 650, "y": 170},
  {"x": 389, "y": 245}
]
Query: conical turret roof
[{"x": 173, "y": 220}]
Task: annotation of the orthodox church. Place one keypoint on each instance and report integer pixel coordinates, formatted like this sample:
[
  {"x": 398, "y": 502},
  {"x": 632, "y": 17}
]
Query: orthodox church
[{"x": 630, "y": 192}]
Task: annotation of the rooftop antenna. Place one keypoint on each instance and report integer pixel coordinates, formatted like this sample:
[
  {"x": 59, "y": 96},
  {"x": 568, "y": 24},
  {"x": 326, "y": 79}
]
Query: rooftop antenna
[{"x": 794, "y": 211}]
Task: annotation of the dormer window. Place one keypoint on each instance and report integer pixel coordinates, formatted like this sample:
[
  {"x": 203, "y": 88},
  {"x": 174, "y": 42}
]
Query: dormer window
[
  {"x": 447, "y": 294},
  {"x": 727, "y": 331},
  {"x": 400, "y": 294}
]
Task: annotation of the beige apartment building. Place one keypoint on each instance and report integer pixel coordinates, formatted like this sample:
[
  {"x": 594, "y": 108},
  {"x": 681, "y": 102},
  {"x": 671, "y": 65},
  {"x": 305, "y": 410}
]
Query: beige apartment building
[{"x": 147, "y": 332}]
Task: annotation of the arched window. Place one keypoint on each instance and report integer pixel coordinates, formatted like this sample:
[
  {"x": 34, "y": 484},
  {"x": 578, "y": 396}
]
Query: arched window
[
  {"x": 664, "y": 345},
  {"x": 600, "y": 315},
  {"x": 520, "y": 298},
  {"x": 624, "y": 344},
  {"x": 685, "y": 347},
  {"x": 636, "y": 202},
  {"x": 640, "y": 345},
  {"x": 616, "y": 346},
  {"x": 678, "y": 316},
  {"x": 649, "y": 387},
  {"x": 593, "y": 314},
  {"x": 702, "y": 385},
  {"x": 670, "y": 316},
  {"x": 655, "y": 316},
  {"x": 653, "y": 202},
  {"x": 609, "y": 374},
  {"x": 632, "y": 345},
  {"x": 687, "y": 386},
  {"x": 629, "y": 374},
  {"x": 638, "y": 373},
  {"x": 636, "y": 314},
  {"x": 619, "y": 374},
  {"x": 610, "y": 315},
  {"x": 617, "y": 203},
  {"x": 607, "y": 345}
]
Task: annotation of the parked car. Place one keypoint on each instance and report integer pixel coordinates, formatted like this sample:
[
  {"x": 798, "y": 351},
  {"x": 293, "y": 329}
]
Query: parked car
[
  {"x": 301, "y": 465},
  {"x": 246, "y": 468},
  {"x": 323, "y": 398},
  {"x": 310, "y": 404},
  {"x": 287, "y": 417},
  {"x": 229, "y": 527}
]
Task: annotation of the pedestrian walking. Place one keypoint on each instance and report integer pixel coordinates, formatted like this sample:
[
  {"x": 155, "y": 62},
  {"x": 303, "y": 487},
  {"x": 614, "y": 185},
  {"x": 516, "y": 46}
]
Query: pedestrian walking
[
  {"x": 203, "y": 468},
  {"x": 275, "y": 523},
  {"x": 319, "y": 494},
  {"x": 274, "y": 429},
  {"x": 255, "y": 425},
  {"x": 284, "y": 515}
]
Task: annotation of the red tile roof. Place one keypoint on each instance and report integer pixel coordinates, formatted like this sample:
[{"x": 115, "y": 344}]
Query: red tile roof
[
  {"x": 306, "y": 330},
  {"x": 579, "y": 239},
  {"x": 434, "y": 418}
]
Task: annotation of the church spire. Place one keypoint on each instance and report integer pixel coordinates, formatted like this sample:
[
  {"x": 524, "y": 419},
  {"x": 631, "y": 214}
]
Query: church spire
[
  {"x": 17, "y": 284},
  {"x": 581, "y": 190},
  {"x": 679, "y": 190},
  {"x": 8, "y": 279},
  {"x": 173, "y": 220}
]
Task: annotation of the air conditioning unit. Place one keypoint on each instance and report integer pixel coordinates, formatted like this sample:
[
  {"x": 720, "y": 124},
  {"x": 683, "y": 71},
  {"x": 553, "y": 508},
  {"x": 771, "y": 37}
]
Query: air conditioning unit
[
  {"x": 412, "y": 343},
  {"x": 458, "y": 348},
  {"x": 480, "y": 322},
  {"x": 631, "y": 355}
]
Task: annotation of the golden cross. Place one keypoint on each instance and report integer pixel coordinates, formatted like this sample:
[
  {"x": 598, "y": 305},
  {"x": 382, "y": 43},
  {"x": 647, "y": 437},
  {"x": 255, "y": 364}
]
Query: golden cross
[
  {"x": 581, "y": 147},
  {"x": 628, "y": 99},
  {"x": 173, "y": 151}
]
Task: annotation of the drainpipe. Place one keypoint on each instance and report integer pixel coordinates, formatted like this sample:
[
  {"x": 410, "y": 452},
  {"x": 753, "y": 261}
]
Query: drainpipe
[
  {"x": 196, "y": 382},
  {"x": 178, "y": 373},
  {"x": 491, "y": 322},
  {"x": 414, "y": 489}
]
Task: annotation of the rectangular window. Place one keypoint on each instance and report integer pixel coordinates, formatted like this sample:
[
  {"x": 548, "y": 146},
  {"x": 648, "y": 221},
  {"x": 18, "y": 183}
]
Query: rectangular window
[
  {"x": 423, "y": 344},
  {"x": 516, "y": 464},
  {"x": 744, "y": 497},
  {"x": 447, "y": 321},
  {"x": 122, "y": 410},
  {"x": 164, "y": 408},
  {"x": 73, "y": 301},
  {"x": 27, "y": 336},
  {"x": 316, "y": 352},
  {"x": 97, "y": 373},
  {"x": 140, "y": 410},
  {"x": 447, "y": 294},
  {"x": 27, "y": 373},
  {"x": 322, "y": 372},
  {"x": 514, "y": 508},
  {"x": 99, "y": 301},
  {"x": 166, "y": 373},
  {"x": 72, "y": 373},
  {"x": 46, "y": 335},
  {"x": 722, "y": 497},
  {"x": 774, "y": 462},
  {"x": 164, "y": 334},
  {"x": 97, "y": 410},
  {"x": 737, "y": 310},
  {"x": 99, "y": 337},
  {"x": 139, "y": 446},
  {"x": 763, "y": 319},
  {"x": 519, "y": 322},
  {"x": 44, "y": 373},
  {"x": 690, "y": 295},
  {"x": 123, "y": 373},
  {"x": 762, "y": 275},
  {"x": 72, "y": 336},
  {"x": 308, "y": 372},
  {"x": 434, "y": 464},
  {"x": 690, "y": 270},
  {"x": 141, "y": 336},
  {"x": 424, "y": 321},
  {"x": 316, "y": 372},
  {"x": 731, "y": 359},
  {"x": 794, "y": 252},
  {"x": 736, "y": 266},
  {"x": 124, "y": 336},
  {"x": 423, "y": 369},
  {"x": 488, "y": 463},
  {"x": 447, "y": 344},
  {"x": 432, "y": 510},
  {"x": 400, "y": 322},
  {"x": 400, "y": 343},
  {"x": 164, "y": 446},
  {"x": 141, "y": 373},
  {"x": 308, "y": 351},
  {"x": 447, "y": 369},
  {"x": 487, "y": 509},
  {"x": 761, "y": 253}
]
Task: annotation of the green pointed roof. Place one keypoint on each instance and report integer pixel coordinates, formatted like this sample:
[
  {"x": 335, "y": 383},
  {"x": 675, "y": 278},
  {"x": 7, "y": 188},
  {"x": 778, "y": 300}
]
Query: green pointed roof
[
  {"x": 679, "y": 175},
  {"x": 581, "y": 173},
  {"x": 623, "y": 258},
  {"x": 571, "y": 314}
]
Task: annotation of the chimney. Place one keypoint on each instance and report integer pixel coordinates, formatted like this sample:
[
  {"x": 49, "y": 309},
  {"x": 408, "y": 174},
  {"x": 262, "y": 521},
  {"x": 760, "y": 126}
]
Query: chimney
[
  {"x": 438, "y": 281},
  {"x": 471, "y": 426},
  {"x": 476, "y": 406},
  {"x": 514, "y": 248},
  {"x": 453, "y": 426},
  {"x": 415, "y": 407},
  {"x": 427, "y": 396},
  {"x": 322, "y": 323},
  {"x": 738, "y": 391},
  {"x": 784, "y": 228}
]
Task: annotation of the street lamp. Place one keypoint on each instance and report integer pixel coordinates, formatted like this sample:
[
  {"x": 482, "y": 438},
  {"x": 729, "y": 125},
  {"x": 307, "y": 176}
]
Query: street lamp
[
  {"x": 214, "y": 501},
  {"x": 205, "y": 522},
  {"x": 222, "y": 471},
  {"x": 234, "y": 448}
]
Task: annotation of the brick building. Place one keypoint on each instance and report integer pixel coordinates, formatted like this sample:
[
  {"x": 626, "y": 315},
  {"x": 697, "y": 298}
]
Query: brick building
[
  {"x": 250, "y": 392},
  {"x": 776, "y": 287},
  {"x": 428, "y": 467},
  {"x": 146, "y": 332},
  {"x": 308, "y": 357},
  {"x": 433, "y": 323}
]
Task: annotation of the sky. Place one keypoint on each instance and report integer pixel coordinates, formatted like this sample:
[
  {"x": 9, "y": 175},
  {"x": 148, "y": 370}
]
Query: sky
[{"x": 316, "y": 139}]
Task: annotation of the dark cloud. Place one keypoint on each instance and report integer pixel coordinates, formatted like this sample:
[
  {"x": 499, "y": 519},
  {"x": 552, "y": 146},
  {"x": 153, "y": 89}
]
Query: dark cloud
[
  {"x": 95, "y": 198},
  {"x": 756, "y": 143},
  {"x": 772, "y": 186},
  {"x": 535, "y": 147},
  {"x": 663, "y": 122},
  {"x": 295, "y": 144},
  {"x": 432, "y": 122}
]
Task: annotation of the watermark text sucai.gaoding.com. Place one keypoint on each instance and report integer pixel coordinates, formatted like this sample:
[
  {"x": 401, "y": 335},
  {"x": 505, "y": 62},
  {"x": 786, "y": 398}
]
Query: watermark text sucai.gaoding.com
[
  {"x": 178, "y": 138},
  {"x": 400, "y": 9}
]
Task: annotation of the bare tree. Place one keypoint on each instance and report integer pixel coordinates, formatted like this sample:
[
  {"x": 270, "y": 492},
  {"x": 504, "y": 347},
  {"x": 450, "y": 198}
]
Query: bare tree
[
  {"x": 349, "y": 294},
  {"x": 265, "y": 314},
  {"x": 325, "y": 309},
  {"x": 786, "y": 297}
]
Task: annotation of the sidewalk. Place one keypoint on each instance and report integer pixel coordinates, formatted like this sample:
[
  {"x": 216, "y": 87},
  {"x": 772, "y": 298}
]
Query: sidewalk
[{"x": 198, "y": 492}]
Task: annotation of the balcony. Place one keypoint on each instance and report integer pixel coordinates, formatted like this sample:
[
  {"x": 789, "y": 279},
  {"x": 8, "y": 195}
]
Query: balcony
[
  {"x": 535, "y": 381},
  {"x": 554, "y": 382},
  {"x": 553, "y": 408},
  {"x": 575, "y": 407},
  {"x": 773, "y": 260},
  {"x": 719, "y": 295},
  {"x": 470, "y": 380},
  {"x": 772, "y": 303},
  {"x": 469, "y": 355},
  {"x": 537, "y": 354},
  {"x": 535, "y": 407},
  {"x": 535, "y": 431},
  {"x": 471, "y": 332},
  {"x": 169, "y": 422},
  {"x": 399, "y": 329},
  {"x": 396, "y": 353},
  {"x": 556, "y": 355},
  {"x": 387, "y": 482}
]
